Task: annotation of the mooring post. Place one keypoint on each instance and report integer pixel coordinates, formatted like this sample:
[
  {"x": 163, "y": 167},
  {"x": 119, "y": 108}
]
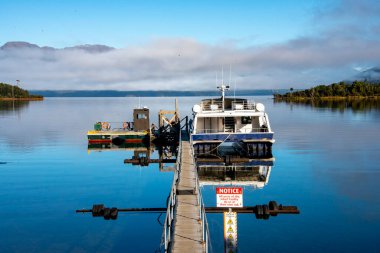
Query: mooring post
[{"x": 187, "y": 124}]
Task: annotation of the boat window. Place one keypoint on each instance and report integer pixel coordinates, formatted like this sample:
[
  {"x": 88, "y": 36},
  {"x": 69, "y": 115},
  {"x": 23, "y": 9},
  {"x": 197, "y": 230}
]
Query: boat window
[
  {"x": 141, "y": 116},
  {"x": 246, "y": 120}
]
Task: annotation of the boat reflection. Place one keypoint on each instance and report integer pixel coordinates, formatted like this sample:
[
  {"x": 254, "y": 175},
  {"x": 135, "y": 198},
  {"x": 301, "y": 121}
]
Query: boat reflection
[
  {"x": 143, "y": 154},
  {"x": 254, "y": 173},
  {"x": 112, "y": 146},
  {"x": 235, "y": 172}
]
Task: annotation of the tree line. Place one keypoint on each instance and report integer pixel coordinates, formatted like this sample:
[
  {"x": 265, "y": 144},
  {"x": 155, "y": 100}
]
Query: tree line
[
  {"x": 13, "y": 91},
  {"x": 341, "y": 89}
]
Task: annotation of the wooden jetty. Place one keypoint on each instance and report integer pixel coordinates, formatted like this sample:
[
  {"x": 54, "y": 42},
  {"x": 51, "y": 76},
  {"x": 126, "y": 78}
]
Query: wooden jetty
[
  {"x": 185, "y": 228},
  {"x": 188, "y": 234}
]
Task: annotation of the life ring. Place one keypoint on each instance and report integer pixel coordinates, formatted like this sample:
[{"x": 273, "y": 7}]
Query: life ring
[
  {"x": 125, "y": 125},
  {"x": 106, "y": 125}
]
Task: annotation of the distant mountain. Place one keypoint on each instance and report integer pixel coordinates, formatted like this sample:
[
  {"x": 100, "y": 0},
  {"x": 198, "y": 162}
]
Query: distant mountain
[
  {"x": 19, "y": 45},
  {"x": 91, "y": 48},
  {"x": 149, "y": 93},
  {"x": 371, "y": 74}
]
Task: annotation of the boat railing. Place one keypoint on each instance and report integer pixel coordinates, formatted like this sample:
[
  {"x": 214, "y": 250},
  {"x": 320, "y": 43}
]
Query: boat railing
[
  {"x": 213, "y": 106},
  {"x": 242, "y": 130},
  {"x": 243, "y": 105},
  {"x": 208, "y": 131},
  {"x": 216, "y": 106},
  {"x": 253, "y": 130},
  {"x": 114, "y": 126}
]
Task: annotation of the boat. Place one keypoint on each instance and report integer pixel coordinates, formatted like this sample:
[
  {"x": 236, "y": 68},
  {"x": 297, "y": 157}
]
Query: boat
[
  {"x": 235, "y": 121},
  {"x": 120, "y": 133}
]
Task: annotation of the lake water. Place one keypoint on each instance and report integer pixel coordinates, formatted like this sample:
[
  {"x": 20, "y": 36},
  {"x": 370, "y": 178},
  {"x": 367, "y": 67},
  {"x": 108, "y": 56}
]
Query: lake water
[{"x": 326, "y": 163}]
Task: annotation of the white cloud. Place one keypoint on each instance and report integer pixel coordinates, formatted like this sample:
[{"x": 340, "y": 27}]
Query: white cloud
[{"x": 331, "y": 54}]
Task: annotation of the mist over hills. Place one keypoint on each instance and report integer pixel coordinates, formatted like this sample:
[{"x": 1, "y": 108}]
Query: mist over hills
[
  {"x": 151, "y": 93},
  {"x": 179, "y": 65},
  {"x": 20, "y": 45}
]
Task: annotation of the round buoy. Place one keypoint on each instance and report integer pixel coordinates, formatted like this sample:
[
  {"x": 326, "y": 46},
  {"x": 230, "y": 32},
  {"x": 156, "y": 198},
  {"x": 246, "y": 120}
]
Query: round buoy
[
  {"x": 97, "y": 210},
  {"x": 273, "y": 206},
  {"x": 259, "y": 212},
  {"x": 113, "y": 213},
  {"x": 265, "y": 212},
  {"x": 107, "y": 213},
  {"x": 118, "y": 141}
]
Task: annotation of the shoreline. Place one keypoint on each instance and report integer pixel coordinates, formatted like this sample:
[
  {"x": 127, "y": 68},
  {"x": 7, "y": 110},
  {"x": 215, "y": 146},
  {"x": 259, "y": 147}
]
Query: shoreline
[
  {"x": 331, "y": 98},
  {"x": 21, "y": 99}
]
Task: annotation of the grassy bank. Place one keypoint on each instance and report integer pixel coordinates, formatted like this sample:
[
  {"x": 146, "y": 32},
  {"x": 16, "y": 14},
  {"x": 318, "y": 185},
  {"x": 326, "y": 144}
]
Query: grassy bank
[{"x": 12, "y": 92}]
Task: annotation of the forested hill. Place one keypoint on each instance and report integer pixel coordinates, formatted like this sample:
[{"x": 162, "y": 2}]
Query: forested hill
[
  {"x": 8, "y": 91},
  {"x": 151, "y": 93},
  {"x": 356, "y": 89}
]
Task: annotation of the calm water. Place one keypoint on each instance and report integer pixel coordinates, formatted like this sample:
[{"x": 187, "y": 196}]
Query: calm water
[{"x": 326, "y": 164}]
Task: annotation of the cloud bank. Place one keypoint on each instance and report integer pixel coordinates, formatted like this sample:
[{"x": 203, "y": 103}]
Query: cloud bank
[{"x": 343, "y": 41}]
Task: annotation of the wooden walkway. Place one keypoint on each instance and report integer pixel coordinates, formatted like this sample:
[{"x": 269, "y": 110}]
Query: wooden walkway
[{"x": 187, "y": 223}]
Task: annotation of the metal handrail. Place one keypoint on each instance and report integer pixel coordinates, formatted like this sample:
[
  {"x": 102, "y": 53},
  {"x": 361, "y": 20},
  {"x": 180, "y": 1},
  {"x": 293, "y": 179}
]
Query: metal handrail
[
  {"x": 251, "y": 130},
  {"x": 167, "y": 230},
  {"x": 202, "y": 211},
  {"x": 243, "y": 105},
  {"x": 115, "y": 126},
  {"x": 211, "y": 105}
]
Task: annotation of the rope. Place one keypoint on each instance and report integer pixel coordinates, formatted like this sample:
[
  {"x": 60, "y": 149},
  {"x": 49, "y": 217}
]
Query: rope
[{"x": 216, "y": 146}]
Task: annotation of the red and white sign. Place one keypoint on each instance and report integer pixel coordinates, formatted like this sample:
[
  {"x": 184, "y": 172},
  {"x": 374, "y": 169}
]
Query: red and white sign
[{"x": 229, "y": 197}]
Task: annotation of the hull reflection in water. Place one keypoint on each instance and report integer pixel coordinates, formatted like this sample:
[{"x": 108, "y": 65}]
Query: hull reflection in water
[
  {"x": 256, "y": 150},
  {"x": 143, "y": 153},
  {"x": 112, "y": 146},
  {"x": 254, "y": 174}
]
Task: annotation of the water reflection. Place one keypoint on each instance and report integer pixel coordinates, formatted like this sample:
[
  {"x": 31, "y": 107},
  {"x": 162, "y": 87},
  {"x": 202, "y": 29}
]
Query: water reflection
[
  {"x": 143, "y": 154},
  {"x": 252, "y": 174},
  {"x": 356, "y": 105},
  {"x": 8, "y": 107},
  {"x": 234, "y": 180},
  {"x": 112, "y": 146}
]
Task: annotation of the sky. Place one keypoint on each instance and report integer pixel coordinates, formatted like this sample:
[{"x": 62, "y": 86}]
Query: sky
[{"x": 189, "y": 45}]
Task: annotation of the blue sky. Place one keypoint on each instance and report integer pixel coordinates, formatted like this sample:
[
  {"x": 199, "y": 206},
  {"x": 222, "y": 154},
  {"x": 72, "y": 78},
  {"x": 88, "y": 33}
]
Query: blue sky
[
  {"x": 180, "y": 44},
  {"x": 121, "y": 23}
]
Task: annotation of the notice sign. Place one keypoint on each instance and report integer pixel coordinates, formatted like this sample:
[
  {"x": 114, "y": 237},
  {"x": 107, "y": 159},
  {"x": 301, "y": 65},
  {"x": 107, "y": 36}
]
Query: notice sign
[{"x": 229, "y": 197}]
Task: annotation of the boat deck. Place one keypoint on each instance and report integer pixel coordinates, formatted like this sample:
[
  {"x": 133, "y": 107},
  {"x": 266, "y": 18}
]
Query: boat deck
[{"x": 116, "y": 133}]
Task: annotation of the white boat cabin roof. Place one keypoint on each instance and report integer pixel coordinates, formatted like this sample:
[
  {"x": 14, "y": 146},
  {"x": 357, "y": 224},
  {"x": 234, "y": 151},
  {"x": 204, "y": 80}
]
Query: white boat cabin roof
[{"x": 230, "y": 104}]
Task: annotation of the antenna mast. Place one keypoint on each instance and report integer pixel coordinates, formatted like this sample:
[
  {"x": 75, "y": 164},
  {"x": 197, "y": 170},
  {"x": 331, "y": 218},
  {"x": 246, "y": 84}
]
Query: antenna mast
[
  {"x": 235, "y": 90},
  {"x": 223, "y": 88},
  {"x": 229, "y": 83},
  {"x": 222, "y": 76}
]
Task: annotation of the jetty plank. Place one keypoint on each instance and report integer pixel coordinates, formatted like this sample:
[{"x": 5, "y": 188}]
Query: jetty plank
[{"x": 187, "y": 224}]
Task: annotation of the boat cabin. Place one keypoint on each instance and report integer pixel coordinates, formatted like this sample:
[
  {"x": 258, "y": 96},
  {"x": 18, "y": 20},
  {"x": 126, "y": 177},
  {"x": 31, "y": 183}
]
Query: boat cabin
[
  {"x": 141, "y": 119},
  {"x": 232, "y": 116}
]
